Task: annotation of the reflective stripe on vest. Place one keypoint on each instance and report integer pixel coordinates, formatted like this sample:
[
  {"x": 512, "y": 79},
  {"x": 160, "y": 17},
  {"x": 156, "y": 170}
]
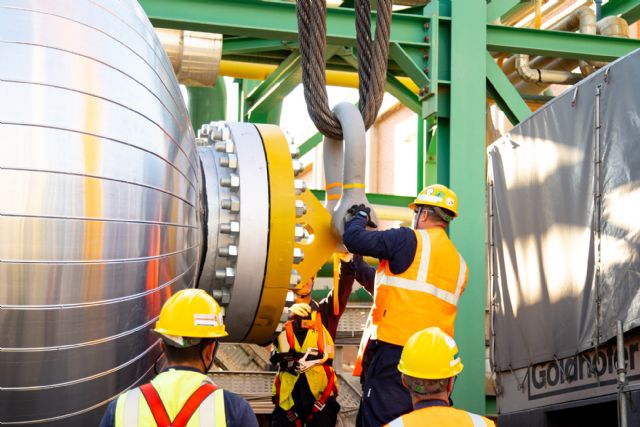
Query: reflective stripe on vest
[
  {"x": 396, "y": 423},
  {"x": 132, "y": 409}
]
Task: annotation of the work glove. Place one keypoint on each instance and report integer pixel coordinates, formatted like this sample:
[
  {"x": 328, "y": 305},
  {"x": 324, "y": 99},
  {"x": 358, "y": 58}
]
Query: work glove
[
  {"x": 360, "y": 210},
  {"x": 300, "y": 309}
]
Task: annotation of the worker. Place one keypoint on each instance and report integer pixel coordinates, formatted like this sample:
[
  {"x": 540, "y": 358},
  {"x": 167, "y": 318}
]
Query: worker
[
  {"x": 190, "y": 325},
  {"x": 418, "y": 283},
  {"x": 305, "y": 389},
  {"x": 429, "y": 365}
]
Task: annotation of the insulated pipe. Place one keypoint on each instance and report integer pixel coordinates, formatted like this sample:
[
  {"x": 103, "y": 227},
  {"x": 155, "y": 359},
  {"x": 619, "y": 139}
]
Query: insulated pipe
[
  {"x": 536, "y": 75},
  {"x": 354, "y": 165},
  {"x": 195, "y": 56},
  {"x": 612, "y": 26}
]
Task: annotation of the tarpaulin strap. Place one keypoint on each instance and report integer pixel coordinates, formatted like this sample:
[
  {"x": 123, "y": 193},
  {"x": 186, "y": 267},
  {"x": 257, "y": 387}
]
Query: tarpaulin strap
[
  {"x": 160, "y": 413},
  {"x": 319, "y": 404}
]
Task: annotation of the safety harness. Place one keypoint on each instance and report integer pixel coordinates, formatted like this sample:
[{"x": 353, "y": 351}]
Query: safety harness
[
  {"x": 319, "y": 404},
  {"x": 160, "y": 413}
]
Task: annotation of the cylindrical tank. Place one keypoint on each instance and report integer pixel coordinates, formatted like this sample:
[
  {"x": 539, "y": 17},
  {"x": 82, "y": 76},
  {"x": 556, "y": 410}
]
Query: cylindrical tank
[
  {"x": 108, "y": 206},
  {"x": 100, "y": 185}
]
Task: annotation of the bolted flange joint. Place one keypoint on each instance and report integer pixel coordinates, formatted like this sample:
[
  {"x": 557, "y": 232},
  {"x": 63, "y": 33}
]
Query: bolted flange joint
[
  {"x": 232, "y": 227},
  {"x": 227, "y": 275}
]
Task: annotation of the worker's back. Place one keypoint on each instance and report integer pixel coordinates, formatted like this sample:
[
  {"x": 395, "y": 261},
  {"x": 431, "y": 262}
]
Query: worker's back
[
  {"x": 441, "y": 416},
  {"x": 424, "y": 295},
  {"x": 175, "y": 387}
]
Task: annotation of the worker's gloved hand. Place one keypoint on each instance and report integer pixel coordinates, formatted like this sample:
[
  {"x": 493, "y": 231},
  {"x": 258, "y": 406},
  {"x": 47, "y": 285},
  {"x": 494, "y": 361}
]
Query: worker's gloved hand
[
  {"x": 301, "y": 309},
  {"x": 360, "y": 210}
]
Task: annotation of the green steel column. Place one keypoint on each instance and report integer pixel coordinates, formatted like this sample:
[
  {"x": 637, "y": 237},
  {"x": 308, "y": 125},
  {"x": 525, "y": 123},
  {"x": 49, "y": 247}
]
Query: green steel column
[
  {"x": 422, "y": 142},
  {"x": 467, "y": 179},
  {"x": 272, "y": 116},
  {"x": 207, "y": 104}
]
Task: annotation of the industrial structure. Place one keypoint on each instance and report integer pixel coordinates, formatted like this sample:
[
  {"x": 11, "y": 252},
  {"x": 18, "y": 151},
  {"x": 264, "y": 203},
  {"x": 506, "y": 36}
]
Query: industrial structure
[{"x": 114, "y": 194}]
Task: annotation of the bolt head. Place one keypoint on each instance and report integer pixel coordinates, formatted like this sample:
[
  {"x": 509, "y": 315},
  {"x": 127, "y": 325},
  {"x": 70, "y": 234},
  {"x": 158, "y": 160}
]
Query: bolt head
[
  {"x": 232, "y": 227},
  {"x": 232, "y": 182},
  {"x": 230, "y": 161},
  {"x": 298, "y": 255},
  {"x": 295, "y": 279},
  {"x": 204, "y": 130},
  {"x": 298, "y": 167},
  {"x": 295, "y": 151},
  {"x": 230, "y": 251},
  {"x": 300, "y": 186},
  {"x": 220, "y": 131},
  {"x": 232, "y": 204},
  {"x": 226, "y": 146},
  {"x": 227, "y": 275},
  {"x": 301, "y": 208},
  {"x": 299, "y": 233}
]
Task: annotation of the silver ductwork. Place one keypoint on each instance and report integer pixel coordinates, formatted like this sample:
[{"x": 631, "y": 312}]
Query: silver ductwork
[
  {"x": 195, "y": 56},
  {"x": 536, "y": 74},
  {"x": 108, "y": 207}
]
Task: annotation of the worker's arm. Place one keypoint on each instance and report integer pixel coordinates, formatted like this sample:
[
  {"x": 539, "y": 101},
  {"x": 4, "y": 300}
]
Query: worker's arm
[
  {"x": 109, "y": 417},
  {"x": 325, "y": 307},
  {"x": 238, "y": 412},
  {"x": 397, "y": 245},
  {"x": 364, "y": 273}
]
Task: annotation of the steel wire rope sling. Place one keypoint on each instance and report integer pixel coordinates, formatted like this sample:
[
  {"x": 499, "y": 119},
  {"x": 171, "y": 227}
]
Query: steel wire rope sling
[{"x": 372, "y": 61}]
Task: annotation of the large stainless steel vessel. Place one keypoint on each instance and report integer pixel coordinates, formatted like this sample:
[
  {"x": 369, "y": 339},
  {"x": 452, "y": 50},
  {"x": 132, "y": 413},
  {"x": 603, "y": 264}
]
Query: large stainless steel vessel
[{"x": 107, "y": 207}]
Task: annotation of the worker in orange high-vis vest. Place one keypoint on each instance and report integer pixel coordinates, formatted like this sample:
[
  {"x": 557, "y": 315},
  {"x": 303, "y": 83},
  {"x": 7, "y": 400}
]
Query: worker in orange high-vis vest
[
  {"x": 419, "y": 281},
  {"x": 305, "y": 388},
  {"x": 429, "y": 365},
  {"x": 190, "y": 325}
]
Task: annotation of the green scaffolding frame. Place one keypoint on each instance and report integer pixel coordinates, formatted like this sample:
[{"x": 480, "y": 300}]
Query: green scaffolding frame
[{"x": 444, "y": 48}]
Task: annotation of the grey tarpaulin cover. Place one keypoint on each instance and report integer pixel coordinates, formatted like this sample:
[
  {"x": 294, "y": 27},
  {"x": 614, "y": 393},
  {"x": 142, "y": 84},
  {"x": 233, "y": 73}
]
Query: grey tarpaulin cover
[{"x": 543, "y": 221}]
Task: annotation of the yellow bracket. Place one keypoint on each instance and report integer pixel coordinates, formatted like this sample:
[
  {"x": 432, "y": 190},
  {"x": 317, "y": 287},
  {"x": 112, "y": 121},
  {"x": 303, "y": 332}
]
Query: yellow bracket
[{"x": 321, "y": 243}]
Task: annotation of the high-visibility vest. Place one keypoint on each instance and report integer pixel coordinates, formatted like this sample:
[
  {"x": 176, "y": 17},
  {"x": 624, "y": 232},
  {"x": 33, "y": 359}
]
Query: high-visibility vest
[
  {"x": 174, "y": 388},
  {"x": 442, "y": 416},
  {"x": 424, "y": 295},
  {"x": 321, "y": 378}
]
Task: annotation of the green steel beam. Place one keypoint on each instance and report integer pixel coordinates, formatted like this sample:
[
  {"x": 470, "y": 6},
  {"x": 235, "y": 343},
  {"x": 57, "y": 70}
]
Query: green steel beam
[
  {"x": 207, "y": 104},
  {"x": 276, "y": 86},
  {"x": 505, "y": 95},
  {"x": 467, "y": 178},
  {"x": 498, "y": 8},
  {"x": 376, "y": 199},
  {"x": 628, "y": 9},
  {"x": 408, "y": 64},
  {"x": 403, "y": 94},
  {"x": 245, "y": 45},
  {"x": 269, "y": 20},
  {"x": 557, "y": 43},
  {"x": 310, "y": 143}
]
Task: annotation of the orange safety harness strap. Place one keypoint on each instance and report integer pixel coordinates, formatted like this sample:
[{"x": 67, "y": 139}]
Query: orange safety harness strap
[{"x": 160, "y": 413}]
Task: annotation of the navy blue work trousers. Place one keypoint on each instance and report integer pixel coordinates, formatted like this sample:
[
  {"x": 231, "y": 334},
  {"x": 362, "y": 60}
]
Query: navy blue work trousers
[{"x": 384, "y": 398}]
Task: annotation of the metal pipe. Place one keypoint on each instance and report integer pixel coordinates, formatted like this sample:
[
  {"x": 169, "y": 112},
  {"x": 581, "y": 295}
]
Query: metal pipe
[
  {"x": 537, "y": 75},
  {"x": 622, "y": 380},
  {"x": 195, "y": 56},
  {"x": 611, "y": 26}
]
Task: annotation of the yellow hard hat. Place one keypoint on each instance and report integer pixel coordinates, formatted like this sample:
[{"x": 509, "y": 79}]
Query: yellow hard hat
[
  {"x": 430, "y": 354},
  {"x": 190, "y": 313},
  {"x": 437, "y": 195}
]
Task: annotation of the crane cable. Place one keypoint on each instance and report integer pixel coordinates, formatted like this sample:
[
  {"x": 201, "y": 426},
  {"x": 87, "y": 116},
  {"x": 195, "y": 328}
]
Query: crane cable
[{"x": 372, "y": 61}]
